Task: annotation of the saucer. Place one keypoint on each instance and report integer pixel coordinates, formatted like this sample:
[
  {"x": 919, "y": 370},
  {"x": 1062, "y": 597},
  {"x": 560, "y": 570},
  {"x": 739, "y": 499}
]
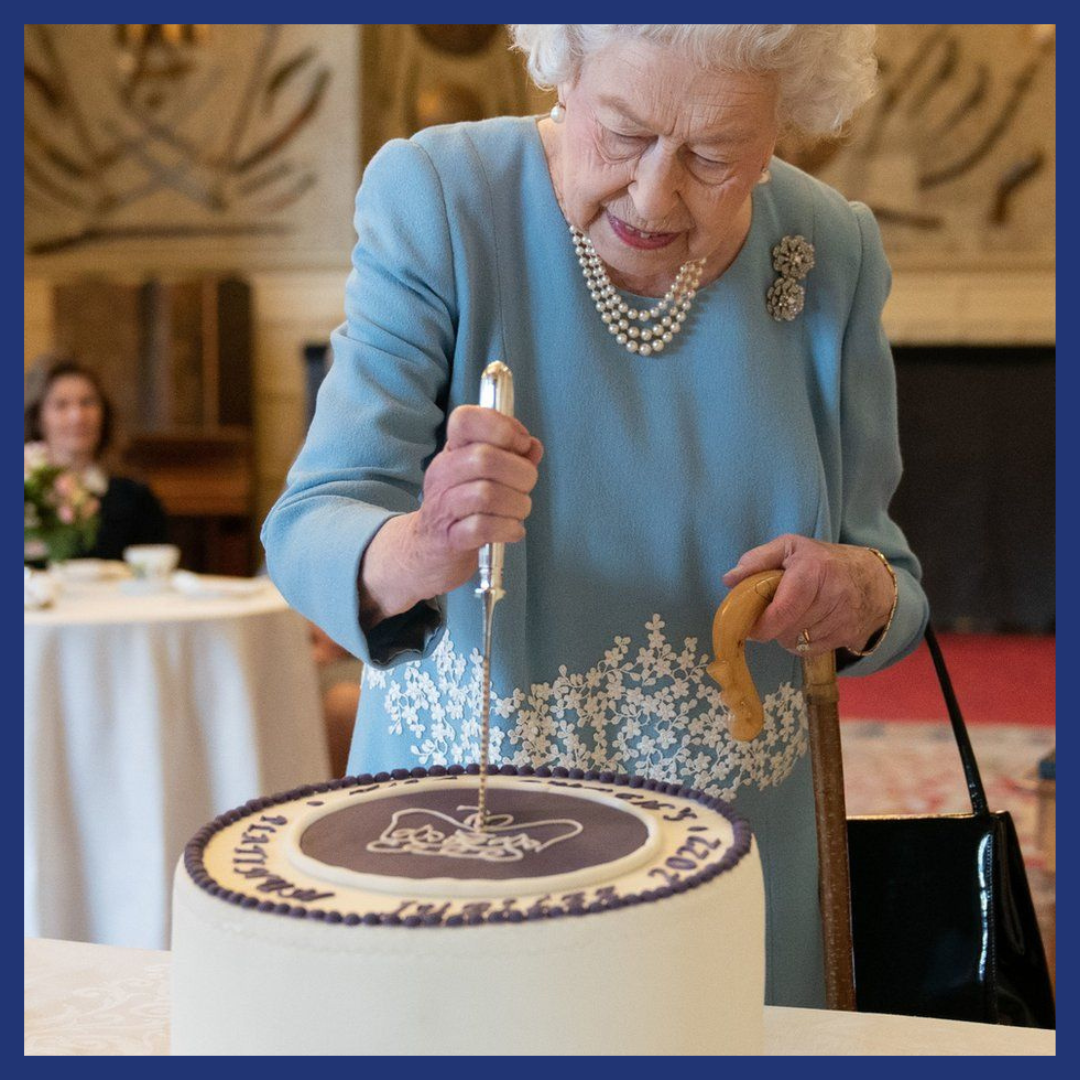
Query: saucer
[{"x": 145, "y": 586}]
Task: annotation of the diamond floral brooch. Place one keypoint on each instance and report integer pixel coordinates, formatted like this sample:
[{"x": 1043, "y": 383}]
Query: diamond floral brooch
[{"x": 793, "y": 259}]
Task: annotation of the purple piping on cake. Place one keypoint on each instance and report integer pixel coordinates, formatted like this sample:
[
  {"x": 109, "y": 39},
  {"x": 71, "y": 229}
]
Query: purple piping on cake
[{"x": 193, "y": 852}]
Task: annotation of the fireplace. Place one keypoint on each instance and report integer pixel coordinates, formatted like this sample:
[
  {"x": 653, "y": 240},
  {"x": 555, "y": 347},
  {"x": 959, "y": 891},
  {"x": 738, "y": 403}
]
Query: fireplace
[{"x": 977, "y": 497}]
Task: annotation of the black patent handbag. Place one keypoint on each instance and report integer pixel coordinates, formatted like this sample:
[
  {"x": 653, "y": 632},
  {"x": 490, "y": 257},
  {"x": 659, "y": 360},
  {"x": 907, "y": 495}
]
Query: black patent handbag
[{"x": 943, "y": 923}]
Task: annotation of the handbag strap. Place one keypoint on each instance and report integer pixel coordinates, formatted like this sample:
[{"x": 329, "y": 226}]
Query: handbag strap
[{"x": 976, "y": 791}]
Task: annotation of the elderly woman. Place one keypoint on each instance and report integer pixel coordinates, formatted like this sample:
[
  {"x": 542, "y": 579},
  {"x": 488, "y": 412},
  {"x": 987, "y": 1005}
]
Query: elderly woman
[{"x": 702, "y": 383}]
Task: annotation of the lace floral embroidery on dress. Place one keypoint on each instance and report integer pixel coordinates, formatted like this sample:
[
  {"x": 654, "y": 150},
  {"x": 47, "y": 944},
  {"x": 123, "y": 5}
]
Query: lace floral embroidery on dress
[{"x": 658, "y": 714}]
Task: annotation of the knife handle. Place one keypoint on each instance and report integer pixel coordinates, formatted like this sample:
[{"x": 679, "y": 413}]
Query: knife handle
[{"x": 496, "y": 392}]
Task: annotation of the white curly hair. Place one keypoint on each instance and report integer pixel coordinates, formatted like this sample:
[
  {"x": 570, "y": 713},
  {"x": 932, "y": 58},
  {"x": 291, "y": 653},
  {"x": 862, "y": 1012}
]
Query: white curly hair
[{"x": 825, "y": 72}]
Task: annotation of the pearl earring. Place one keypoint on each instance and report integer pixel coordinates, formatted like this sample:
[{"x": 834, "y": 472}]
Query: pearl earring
[
  {"x": 558, "y": 112},
  {"x": 765, "y": 176}
]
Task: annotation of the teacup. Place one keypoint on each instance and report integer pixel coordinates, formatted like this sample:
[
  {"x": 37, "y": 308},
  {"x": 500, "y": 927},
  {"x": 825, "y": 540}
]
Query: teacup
[
  {"x": 40, "y": 589},
  {"x": 152, "y": 562}
]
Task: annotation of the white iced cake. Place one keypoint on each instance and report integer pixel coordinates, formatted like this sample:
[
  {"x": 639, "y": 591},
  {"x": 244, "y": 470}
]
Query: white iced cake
[{"x": 594, "y": 914}]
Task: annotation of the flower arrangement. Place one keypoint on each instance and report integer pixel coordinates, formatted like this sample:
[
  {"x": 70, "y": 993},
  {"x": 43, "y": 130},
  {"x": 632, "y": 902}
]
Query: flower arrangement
[{"x": 60, "y": 507}]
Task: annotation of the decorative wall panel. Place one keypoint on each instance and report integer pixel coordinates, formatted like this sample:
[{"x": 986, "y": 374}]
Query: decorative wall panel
[
  {"x": 956, "y": 152},
  {"x": 415, "y": 76},
  {"x": 205, "y": 147}
]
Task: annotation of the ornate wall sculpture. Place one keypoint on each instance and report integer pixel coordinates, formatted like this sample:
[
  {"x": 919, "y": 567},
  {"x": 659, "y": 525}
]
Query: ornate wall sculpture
[
  {"x": 415, "y": 76},
  {"x": 956, "y": 152},
  {"x": 199, "y": 146}
]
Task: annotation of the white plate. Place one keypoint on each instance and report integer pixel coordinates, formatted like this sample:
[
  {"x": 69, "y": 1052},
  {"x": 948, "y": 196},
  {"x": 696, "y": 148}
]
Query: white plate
[
  {"x": 145, "y": 586},
  {"x": 210, "y": 586},
  {"x": 79, "y": 570},
  {"x": 82, "y": 571},
  {"x": 114, "y": 570}
]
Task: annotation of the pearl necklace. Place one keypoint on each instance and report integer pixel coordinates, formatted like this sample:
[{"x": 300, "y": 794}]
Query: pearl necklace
[{"x": 667, "y": 316}]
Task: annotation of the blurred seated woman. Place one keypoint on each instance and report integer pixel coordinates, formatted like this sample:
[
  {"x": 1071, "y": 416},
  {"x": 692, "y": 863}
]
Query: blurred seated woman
[{"x": 67, "y": 410}]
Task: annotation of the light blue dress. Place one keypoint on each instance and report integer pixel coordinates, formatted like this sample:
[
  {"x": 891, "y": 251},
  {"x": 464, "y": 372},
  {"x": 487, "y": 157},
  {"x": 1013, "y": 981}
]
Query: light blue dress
[{"x": 659, "y": 473}]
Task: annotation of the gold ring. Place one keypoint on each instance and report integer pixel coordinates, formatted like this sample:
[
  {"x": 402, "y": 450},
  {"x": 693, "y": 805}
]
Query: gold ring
[{"x": 804, "y": 641}]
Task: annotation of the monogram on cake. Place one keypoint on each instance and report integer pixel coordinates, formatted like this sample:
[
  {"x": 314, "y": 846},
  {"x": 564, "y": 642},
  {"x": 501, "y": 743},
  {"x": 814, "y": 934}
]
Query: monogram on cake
[{"x": 589, "y": 913}]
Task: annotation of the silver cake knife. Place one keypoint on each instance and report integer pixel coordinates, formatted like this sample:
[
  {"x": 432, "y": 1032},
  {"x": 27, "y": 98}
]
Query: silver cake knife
[{"x": 496, "y": 392}]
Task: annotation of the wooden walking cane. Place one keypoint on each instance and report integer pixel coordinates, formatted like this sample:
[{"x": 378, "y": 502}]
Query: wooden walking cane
[{"x": 734, "y": 620}]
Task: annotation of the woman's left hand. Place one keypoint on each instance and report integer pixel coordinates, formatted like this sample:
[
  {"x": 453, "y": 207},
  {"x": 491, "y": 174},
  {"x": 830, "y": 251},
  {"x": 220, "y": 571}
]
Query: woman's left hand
[{"x": 835, "y": 595}]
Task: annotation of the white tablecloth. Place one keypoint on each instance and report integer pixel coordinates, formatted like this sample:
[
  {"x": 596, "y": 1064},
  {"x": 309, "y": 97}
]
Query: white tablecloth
[
  {"x": 144, "y": 717},
  {"x": 91, "y": 999}
]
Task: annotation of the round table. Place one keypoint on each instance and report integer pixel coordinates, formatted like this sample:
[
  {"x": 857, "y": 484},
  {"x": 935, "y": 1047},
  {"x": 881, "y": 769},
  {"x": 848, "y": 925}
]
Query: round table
[
  {"x": 144, "y": 717},
  {"x": 94, "y": 1000}
]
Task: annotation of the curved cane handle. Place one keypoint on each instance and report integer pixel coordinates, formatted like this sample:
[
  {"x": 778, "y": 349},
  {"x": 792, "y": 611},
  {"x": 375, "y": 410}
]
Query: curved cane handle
[{"x": 734, "y": 619}]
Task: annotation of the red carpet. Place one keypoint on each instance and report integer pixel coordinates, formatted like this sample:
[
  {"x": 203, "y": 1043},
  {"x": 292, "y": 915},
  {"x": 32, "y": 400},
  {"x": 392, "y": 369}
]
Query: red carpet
[{"x": 999, "y": 679}]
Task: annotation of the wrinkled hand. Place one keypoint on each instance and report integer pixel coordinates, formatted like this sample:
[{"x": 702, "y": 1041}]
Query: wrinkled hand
[
  {"x": 476, "y": 492},
  {"x": 841, "y": 594}
]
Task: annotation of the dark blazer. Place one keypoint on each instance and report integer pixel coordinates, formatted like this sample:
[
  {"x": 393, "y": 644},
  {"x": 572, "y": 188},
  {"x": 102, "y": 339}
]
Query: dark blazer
[{"x": 130, "y": 514}]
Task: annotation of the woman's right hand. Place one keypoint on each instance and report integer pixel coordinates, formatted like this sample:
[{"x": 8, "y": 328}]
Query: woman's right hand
[{"x": 476, "y": 492}]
